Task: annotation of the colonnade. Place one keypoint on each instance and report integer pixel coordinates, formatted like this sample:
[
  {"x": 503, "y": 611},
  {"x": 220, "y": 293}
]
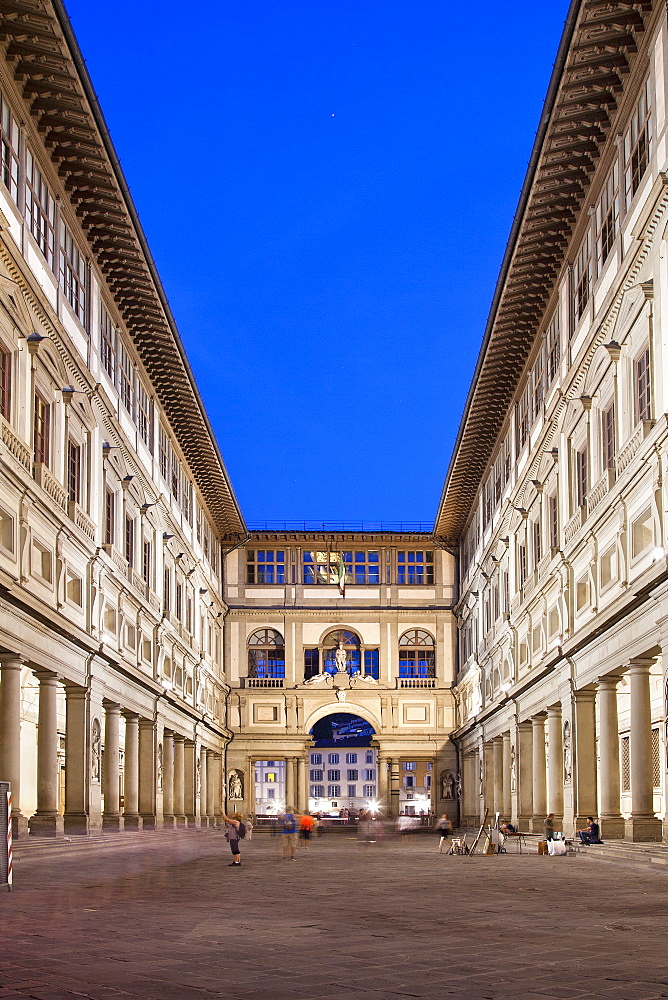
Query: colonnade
[
  {"x": 168, "y": 779},
  {"x": 548, "y": 762}
]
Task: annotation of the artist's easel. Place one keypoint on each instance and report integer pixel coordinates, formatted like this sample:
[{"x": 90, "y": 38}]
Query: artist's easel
[
  {"x": 479, "y": 834},
  {"x": 492, "y": 837}
]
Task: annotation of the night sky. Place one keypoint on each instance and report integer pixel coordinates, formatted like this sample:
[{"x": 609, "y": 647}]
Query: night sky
[{"x": 327, "y": 190}]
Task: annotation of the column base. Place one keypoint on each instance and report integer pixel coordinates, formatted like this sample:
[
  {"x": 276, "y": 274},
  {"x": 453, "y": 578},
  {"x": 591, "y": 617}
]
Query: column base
[
  {"x": 643, "y": 828},
  {"x": 536, "y": 824},
  {"x": 149, "y": 821},
  {"x": 204, "y": 822},
  {"x": 76, "y": 824},
  {"x": 46, "y": 825},
  {"x": 112, "y": 824},
  {"x": 612, "y": 827},
  {"x": 168, "y": 822},
  {"x": 524, "y": 824},
  {"x": 132, "y": 822},
  {"x": 181, "y": 822},
  {"x": 192, "y": 822}
]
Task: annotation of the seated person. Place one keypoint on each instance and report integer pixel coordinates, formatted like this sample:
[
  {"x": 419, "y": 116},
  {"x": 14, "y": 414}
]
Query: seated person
[
  {"x": 507, "y": 829},
  {"x": 591, "y": 833}
]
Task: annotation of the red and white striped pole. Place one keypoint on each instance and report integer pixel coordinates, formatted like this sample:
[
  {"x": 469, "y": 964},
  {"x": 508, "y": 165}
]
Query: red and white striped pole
[{"x": 9, "y": 840}]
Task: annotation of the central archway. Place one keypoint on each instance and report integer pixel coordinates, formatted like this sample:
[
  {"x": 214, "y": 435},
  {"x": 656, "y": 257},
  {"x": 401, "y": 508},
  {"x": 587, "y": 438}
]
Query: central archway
[{"x": 342, "y": 765}]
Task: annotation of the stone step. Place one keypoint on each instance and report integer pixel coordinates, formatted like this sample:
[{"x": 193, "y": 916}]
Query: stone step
[{"x": 640, "y": 854}]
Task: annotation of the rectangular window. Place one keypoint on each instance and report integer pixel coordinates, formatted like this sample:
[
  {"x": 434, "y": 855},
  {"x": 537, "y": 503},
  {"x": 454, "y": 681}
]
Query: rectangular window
[
  {"x": 410, "y": 765},
  {"x": 316, "y": 758},
  {"x": 42, "y": 430},
  {"x": 522, "y": 410},
  {"x": 163, "y": 455},
  {"x": 536, "y": 543},
  {"x": 178, "y": 605},
  {"x": 333, "y": 791},
  {"x": 146, "y": 562},
  {"x": 352, "y": 791},
  {"x": 167, "y": 591},
  {"x": 129, "y": 540},
  {"x": 369, "y": 774},
  {"x": 334, "y": 775},
  {"x": 522, "y": 564},
  {"x": 369, "y": 791},
  {"x": 271, "y": 793},
  {"x": 311, "y": 663},
  {"x": 109, "y": 516},
  {"x": 333, "y": 758},
  {"x": 351, "y": 758},
  {"x": 582, "y": 278},
  {"x": 415, "y": 568},
  {"x": 40, "y": 210},
  {"x": 353, "y": 774},
  {"x": 553, "y": 349},
  {"x": 409, "y": 781},
  {"x": 265, "y": 566},
  {"x": 553, "y": 512},
  {"x": 362, "y": 567},
  {"x": 643, "y": 388},
  {"x": 73, "y": 471},
  {"x": 608, "y": 436},
  {"x": 143, "y": 413},
  {"x": 108, "y": 344},
  {"x": 606, "y": 218},
  {"x": 537, "y": 386},
  {"x": 316, "y": 775},
  {"x": 5, "y": 383},
  {"x": 9, "y": 147},
  {"x": 371, "y": 663},
  {"x": 317, "y": 791},
  {"x": 125, "y": 379},
  {"x": 369, "y": 757},
  {"x": 581, "y": 477},
  {"x": 638, "y": 143},
  {"x": 73, "y": 275}
]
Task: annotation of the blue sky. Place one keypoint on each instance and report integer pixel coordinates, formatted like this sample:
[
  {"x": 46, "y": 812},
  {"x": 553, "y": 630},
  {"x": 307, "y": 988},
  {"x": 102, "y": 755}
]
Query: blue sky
[{"x": 327, "y": 190}]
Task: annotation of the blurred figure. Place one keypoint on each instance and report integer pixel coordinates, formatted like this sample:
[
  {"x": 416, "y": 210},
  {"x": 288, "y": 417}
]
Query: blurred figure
[
  {"x": 306, "y": 824},
  {"x": 404, "y": 825},
  {"x": 288, "y": 822},
  {"x": 444, "y": 829},
  {"x": 249, "y": 828}
]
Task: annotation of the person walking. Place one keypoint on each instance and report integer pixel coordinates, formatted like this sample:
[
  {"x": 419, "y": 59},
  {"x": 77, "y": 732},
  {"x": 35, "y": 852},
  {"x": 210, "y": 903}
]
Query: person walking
[
  {"x": 289, "y": 833},
  {"x": 306, "y": 825},
  {"x": 444, "y": 829},
  {"x": 249, "y": 828},
  {"x": 235, "y": 831}
]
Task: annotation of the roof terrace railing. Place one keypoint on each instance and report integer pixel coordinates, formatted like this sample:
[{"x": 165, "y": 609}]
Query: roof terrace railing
[{"x": 333, "y": 527}]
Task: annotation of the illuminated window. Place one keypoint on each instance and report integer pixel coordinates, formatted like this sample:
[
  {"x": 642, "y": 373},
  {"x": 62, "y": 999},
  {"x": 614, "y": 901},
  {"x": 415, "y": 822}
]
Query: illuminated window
[
  {"x": 415, "y": 568},
  {"x": 417, "y": 654}
]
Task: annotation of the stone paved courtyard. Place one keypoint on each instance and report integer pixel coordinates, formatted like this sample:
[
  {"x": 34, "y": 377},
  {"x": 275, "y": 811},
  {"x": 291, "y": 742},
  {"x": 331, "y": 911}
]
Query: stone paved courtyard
[{"x": 163, "y": 916}]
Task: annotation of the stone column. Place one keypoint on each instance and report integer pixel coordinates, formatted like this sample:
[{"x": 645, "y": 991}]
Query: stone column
[
  {"x": 249, "y": 790},
  {"x": 488, "y": 779},
  {"x": 538, "y": 773},
  {"x": 10, "y": 736},
  {"x": 111, "y": 817},
  {"x": 218, "y": 787},
  {"x": 555, "y": 783},
  {"x": 76, "y": 761},
  {"x": 395, "y": 786},
  {"x": 179, "y": 780},
  {"x": 131, "y": 817},
  {"x": 290, "y": 791},
  {"x": 612, "y": 821},
  {"x": 147, "y": 774},
  {"x": 469, "y": 792},
  {"x": 382, "y": 785},
  {"x": 584, "y": 756},
  {"x": 302, "y": 787},
  {"x": 642, "y": 824},
  {"x": 507, "y": 807},
  {"x": 189, "y": 783},
  {"x": 46, "y": 821},
  {"x": 168, "y": 818},
  {"x": 203, "y": 779},
  {"x": 524, "y": 775},
  {"x": 497, "y": 752},
  {"x": 211, "y": 787}
]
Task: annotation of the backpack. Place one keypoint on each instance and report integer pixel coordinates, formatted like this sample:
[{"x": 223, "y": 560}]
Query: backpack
[
  {"x": 289, "y": 824},
  {"x": 241, "y": 830}
]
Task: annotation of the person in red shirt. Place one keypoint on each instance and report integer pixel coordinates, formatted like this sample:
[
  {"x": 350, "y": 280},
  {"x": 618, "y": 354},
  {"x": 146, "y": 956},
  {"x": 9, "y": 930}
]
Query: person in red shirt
[{"x": 306, "y": 826}]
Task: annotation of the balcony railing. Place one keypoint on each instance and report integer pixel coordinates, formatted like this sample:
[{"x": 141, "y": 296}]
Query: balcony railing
[
  {"x": 573, "y": 525},
  {"x": 16, "y": 448},
  {"x": 263, "y": 682},
  {"x": 416, "y": 682},
  {"x": 50, "y": 485},
  {"x": 81, "y": 519}
]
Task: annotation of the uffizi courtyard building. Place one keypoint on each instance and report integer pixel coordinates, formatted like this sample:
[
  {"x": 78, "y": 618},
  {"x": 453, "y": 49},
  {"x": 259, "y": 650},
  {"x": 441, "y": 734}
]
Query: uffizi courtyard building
[{"x": 160, "y": 662}]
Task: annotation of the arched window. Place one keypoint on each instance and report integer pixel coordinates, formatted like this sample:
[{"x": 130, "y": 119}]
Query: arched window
[
  {"x": 351, "y": 644},
  {"x": 266, "y": 653},
  {"x": 417, "y": 654}
]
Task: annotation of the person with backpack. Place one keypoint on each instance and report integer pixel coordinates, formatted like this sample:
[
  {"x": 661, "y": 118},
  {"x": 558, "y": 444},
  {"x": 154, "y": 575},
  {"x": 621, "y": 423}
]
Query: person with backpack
[
  {"x": 235, "y": 831},
  {"x": 289, "y": 833}
]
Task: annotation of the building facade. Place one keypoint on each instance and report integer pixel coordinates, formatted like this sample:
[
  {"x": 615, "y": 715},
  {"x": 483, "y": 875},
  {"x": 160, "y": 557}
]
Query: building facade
[
  {"x": 556, "y": 497},
  {"x": 298, "y": 650},
  {"x": 115, "y": 506}
]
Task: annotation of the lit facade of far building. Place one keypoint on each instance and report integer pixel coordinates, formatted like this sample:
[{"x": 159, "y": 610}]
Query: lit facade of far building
[
  {"x": 556, "y": 494},
  {"x": 298, "y": 651}
]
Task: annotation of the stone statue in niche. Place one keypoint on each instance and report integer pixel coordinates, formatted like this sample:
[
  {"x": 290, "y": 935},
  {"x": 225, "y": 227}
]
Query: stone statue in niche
[
  {"x": 96, "y": 750},
  {"x": 341, "y": 659},
  {"x": 481, "y": 778},
  {"x": 447, "y": 785},
  {"x": 198, "y": 775},
  {"x": 513, "y": 772},
  {"x": 235, "y": 785},
  {"x": 568, "y": 753},
  {"x": 159, "y": 771}
]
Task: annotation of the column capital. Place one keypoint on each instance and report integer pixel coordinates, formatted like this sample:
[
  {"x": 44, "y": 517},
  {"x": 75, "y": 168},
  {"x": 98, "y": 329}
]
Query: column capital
[
  {"x": 554, "y": 711},
  {"x": 111, "y": 706},
  {"x": 147, "y": 723},
  {"x": 178, "y": 738},
  {"x": 609, "y": 681},
  {"x": 45, "y": 676},
  {"x": 538, "y": 719},
  {"x": 130, "y": 716},
  {"x": 641, "y": 664},
  {"x": 12, "y": 661},
  {"x": 585, "y": 694},
  {"x": 75, "y": 691}
]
